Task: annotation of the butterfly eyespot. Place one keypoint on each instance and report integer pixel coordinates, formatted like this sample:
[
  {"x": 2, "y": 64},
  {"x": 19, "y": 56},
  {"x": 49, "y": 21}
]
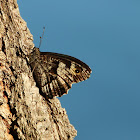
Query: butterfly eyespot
[{"x": 77, "y": 71}]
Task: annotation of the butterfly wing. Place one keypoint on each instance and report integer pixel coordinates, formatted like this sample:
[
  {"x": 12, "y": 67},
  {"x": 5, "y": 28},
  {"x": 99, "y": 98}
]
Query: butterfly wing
[{"x": 55, "y": 73}]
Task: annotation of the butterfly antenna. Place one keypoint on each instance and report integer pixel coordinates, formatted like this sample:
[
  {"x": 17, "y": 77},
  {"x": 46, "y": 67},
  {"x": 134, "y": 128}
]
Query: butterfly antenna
[{"x": 41, "y": 37}]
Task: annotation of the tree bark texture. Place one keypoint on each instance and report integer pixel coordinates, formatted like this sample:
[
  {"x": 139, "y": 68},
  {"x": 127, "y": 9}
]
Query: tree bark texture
[{"x": 24, "y": 113}]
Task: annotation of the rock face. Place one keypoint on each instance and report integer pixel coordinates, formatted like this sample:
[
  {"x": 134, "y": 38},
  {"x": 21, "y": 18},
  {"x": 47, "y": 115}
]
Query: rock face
[{"x": 24, "y": 113}]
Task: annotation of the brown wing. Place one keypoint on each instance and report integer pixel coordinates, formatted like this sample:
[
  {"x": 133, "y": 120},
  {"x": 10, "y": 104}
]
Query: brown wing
[{"x": 55, "y": 73}]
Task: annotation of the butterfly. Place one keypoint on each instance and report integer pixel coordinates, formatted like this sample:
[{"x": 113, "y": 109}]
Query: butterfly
[{"x": 55, "y": 73}]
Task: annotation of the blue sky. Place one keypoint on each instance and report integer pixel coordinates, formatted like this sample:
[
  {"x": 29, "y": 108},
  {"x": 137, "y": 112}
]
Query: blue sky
[{"x": 105, "y": 34}]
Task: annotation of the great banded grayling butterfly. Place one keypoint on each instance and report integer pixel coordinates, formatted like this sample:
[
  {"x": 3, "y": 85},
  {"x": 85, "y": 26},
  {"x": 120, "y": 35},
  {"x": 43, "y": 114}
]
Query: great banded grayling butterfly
[{"x": 55, "y": 73}]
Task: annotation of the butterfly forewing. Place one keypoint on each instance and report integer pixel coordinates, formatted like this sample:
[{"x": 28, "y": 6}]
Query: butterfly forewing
[{"x": 55, "y": 73}]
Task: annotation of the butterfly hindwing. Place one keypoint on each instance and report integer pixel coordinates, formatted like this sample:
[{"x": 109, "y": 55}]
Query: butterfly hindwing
[{"x": 55, "y": 73}]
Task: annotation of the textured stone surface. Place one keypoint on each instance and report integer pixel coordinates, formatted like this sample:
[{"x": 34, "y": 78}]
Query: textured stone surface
[{"x": 24, "y": 113}]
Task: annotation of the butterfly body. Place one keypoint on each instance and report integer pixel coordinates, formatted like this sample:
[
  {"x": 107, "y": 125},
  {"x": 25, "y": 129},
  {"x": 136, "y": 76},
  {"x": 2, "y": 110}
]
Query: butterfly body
[{"x": 55, "y": 73}]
